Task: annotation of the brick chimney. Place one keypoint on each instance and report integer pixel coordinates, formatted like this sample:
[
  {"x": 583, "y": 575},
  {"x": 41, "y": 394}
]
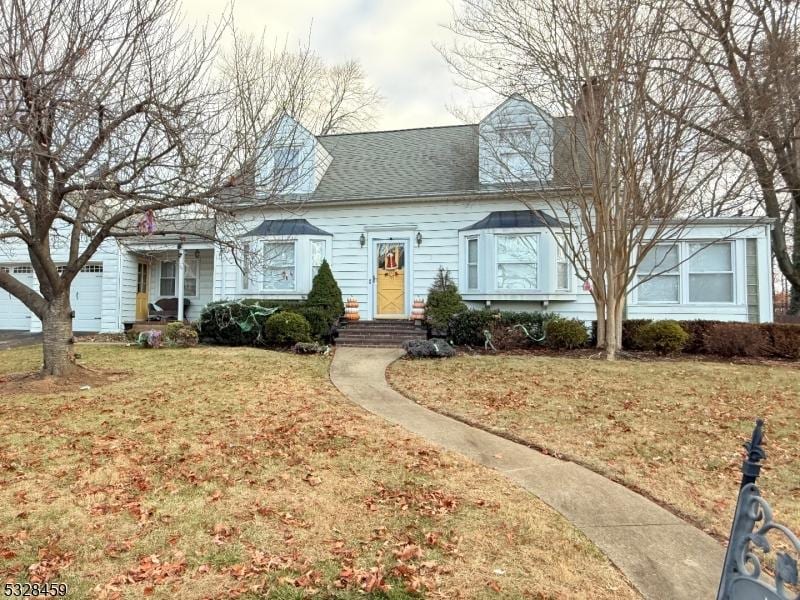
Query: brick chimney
[{"x": 589, "y": 106}]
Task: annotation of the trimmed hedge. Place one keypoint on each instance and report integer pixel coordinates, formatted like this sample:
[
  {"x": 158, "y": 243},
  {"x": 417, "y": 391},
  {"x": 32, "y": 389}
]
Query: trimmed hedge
[
  {"x": 736, "y": 339},
  {"x": 664, "y": 337},
  {"x": 466, "y": 328},
  {"x": 565, "y": 334},
  {"x": 767, "y": 340},
  {"x": 286, "y": 328}
]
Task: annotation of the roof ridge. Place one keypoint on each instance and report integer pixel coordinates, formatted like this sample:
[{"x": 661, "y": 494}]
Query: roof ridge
[{"x": 330, "y": 135}]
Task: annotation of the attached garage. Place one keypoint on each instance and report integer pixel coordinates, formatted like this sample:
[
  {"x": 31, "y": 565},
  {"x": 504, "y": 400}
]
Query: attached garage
[
  {"x": 86, "y": 299},
  {"x": 13, "y": 313}
]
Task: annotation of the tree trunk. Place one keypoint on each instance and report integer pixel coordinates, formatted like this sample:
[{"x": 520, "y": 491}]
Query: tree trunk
[
  {"x": 612, "y": 337},
  {"x": 794, "y": 290},
  {"x": 600, "y": 311},
  {"x": 57, "y": 340}
]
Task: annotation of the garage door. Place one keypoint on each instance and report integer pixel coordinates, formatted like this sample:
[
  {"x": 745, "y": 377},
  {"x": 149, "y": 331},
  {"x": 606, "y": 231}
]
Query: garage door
[
  {"x": 86, "y": 298},
  {"x": 13, "y": 313}
]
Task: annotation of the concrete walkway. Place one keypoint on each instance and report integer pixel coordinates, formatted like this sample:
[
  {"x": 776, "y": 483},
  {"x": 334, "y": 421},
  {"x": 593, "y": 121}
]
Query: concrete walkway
[{"x": 663, "y": 556}]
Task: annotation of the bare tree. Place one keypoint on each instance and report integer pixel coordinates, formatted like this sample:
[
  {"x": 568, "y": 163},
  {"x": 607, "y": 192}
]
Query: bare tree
[
  {"x": 114, "y": 115},
  {"x": 744, "y": 58},
  {"x": 619, "y": 175}
]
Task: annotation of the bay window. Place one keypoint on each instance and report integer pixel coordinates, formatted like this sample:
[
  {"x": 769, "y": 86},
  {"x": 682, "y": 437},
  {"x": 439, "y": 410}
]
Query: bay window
[
  {"x": 562, "y": 264},
  {"x": 517, "y": 261},
  {"x": 317, "y": 256},
  {"x": 247, "y": 260},
  {"x": 472, "y": 263},
  {"x": 710, "y": 272},
  {"x": 279, "y": 266},
  {"x": 659, "y": 275}
]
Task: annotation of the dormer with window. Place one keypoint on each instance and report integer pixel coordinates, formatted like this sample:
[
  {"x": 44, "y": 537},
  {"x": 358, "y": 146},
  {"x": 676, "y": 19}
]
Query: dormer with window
[
  {"x": 293, "y": 161},
  {"x": 515, "y": 144}
]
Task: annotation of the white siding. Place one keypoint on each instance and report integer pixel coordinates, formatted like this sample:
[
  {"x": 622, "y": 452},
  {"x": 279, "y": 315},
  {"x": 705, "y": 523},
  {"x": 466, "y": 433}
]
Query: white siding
[
  {"x": 439, "y": 223},
  {"x": 128, "y": 279}
]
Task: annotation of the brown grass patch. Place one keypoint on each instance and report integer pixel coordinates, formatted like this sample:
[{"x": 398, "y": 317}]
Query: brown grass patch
[
  {"x": 225, "y": 472},
  {"x": 672, "y": 429}
]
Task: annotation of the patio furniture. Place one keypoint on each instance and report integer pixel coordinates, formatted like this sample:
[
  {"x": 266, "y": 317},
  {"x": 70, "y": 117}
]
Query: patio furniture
[{"x": 166, "y": 309}]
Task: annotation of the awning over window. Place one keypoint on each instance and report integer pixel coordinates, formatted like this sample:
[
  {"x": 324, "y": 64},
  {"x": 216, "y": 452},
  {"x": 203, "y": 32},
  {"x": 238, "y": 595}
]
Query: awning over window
[
  {"x": 509, "y": 219},
  {"x": 285, "y": 227}
]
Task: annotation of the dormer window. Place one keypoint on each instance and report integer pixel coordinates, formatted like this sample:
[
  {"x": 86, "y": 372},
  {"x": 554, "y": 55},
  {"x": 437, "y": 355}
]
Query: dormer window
[
  {"x": 516, "y": 151},
  {"x": 515, "y": 144},
  {"x": 286, "y": 166}
]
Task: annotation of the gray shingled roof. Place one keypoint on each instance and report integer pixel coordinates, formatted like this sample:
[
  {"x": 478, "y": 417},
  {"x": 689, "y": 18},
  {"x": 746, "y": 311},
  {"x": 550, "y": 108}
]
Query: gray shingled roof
[
  {"x": 515, "y": 218},
  {"x": 412, "y": 162},
  {"x": 286, "y": 227}
]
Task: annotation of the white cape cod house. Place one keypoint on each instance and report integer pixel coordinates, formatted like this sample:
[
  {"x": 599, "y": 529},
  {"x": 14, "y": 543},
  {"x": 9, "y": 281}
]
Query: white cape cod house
[{"x": 387, "y": 209}]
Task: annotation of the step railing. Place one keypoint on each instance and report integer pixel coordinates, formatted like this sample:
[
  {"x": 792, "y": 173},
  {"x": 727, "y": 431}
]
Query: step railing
[{"x": 743, "y": 577}]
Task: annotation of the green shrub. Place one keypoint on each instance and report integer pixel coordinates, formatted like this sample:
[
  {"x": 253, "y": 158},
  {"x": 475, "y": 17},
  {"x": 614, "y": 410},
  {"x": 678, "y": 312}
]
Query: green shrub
[
  {"x": 664, "y": 337},
  {"x": 319, "y": 319},
  {"x": 325, "y": 293},
  {"x": 183, "y": 336},
  {"x": 466, "y": 328},
  {"x": 736, "y": 339},
  {"x": 173, "y": 328},
  {"x": 286, "y": 328},
  {"x": 565, "y": 334},
  {"x": 444, "y": 301},
  {"x": 236, "y": 323}
]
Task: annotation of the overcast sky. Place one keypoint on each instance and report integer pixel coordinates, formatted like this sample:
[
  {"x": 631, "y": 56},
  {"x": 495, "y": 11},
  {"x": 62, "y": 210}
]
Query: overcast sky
[{"x": 393, "y": 40}]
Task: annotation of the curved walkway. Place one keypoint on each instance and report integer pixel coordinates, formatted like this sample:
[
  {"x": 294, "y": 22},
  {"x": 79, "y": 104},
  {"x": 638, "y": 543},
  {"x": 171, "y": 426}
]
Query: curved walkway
[{"x": 663, "y": 556}]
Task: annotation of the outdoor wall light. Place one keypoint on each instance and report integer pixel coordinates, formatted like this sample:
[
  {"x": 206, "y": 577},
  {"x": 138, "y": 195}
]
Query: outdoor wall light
[
  {"x": 362, "y": 240},
  {"x": 419, "y": 239},
  {"x": 197, "y": 253}
]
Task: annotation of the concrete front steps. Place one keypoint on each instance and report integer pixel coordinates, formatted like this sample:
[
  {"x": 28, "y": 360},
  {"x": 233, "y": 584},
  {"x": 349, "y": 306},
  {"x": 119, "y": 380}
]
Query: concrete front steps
[{"x": 379, "y": 334}]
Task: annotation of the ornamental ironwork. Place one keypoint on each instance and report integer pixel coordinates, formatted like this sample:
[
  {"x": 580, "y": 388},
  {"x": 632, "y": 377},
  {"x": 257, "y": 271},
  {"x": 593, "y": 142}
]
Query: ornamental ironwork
[{"x": 743, "y": 576}]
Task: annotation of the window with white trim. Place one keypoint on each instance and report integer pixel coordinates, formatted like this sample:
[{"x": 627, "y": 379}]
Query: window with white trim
[
  {"x": 659, "y": 276},
  {"x": 286, "y": 166},
  {"x": 247, "y": 260},
  {"x": 472, "y": 263},
  {"x": 279, "y": 266},
  {"x": 167, "y": 278},
  {"x": 169, "y": 275},
  {"x": 317, "y": 256},
  {"x": 517, "y": 261},
  {"x": 562, "y": 263},
  {"x": 711, "y": 272},
  {"x": 190, "y": 268}
]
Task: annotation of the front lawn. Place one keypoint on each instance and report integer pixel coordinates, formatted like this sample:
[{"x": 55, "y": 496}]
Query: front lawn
[
  {"x": 672, "y": 429},
  {"x": 227, "y": 472}
]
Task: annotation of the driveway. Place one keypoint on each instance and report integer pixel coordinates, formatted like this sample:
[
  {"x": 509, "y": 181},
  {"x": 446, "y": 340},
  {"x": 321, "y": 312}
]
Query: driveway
[{"x": 15, "y": 339}]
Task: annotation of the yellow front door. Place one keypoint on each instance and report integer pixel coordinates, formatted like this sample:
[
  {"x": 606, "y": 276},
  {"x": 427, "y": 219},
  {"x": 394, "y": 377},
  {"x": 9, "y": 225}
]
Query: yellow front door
[
  {"x": 141, "y": 292},
  {"x": 391, "y": 279}
]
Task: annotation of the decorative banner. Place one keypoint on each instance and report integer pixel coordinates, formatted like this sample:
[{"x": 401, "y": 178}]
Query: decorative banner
[{"x": 147, "y": 224}]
